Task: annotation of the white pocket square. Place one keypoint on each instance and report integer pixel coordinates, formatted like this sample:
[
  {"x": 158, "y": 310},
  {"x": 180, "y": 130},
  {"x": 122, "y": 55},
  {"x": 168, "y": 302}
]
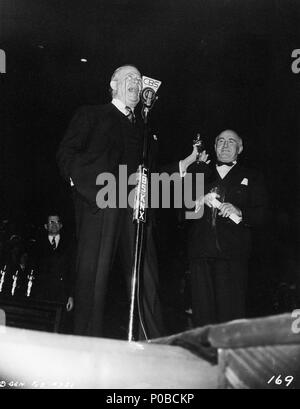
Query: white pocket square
[{"x": 244, "y": 182}]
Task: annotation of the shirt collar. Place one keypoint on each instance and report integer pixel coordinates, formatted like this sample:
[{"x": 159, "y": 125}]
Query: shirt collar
[
  {"x": 57, "y": 237},
  {"x": 120, "y": 106}
]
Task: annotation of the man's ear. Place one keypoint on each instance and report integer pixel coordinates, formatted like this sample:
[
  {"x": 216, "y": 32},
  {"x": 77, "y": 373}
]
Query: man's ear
[
  {"x": 113, "y": 85},
  {"x": 46, "y": 226},
  {"x": 240, "y": 149}
]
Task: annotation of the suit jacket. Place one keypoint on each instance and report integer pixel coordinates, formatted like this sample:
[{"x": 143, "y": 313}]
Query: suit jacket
[
  {"x": 98, "y": 140},
  {"x": 242, "y": 187},
  {"x": 54, "y": 280}
]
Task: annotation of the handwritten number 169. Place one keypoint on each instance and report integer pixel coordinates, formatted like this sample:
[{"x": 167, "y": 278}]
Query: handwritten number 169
[{"x": 279, "y": 380}]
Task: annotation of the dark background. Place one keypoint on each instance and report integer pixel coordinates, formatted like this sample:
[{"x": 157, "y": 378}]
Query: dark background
[{"x": 223, "y": 64}]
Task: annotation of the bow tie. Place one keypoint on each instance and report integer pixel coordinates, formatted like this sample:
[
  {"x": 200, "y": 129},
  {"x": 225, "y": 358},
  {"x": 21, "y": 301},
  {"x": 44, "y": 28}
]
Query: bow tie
[{"x": 219, "y": 163}]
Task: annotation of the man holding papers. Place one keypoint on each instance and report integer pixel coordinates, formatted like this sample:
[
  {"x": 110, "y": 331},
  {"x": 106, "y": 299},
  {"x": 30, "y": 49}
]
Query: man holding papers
[{"x": 220, "y": 241}]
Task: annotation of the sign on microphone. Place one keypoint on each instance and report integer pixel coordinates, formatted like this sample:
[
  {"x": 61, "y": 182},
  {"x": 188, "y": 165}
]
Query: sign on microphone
[
  {"x": 150, "y": 88},
  {"x": 151, "y": 83}
]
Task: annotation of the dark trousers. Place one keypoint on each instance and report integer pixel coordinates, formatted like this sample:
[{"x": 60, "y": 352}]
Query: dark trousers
[
  {"x": 102, "y": 237},
  {"x": 150, "y": 318},
  {"x": 218, "y": 290}
]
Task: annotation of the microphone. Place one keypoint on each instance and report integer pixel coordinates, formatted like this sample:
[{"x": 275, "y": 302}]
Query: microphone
[
  {"x": 148, "y": 97},
  {"x": 149, "y": 90}
]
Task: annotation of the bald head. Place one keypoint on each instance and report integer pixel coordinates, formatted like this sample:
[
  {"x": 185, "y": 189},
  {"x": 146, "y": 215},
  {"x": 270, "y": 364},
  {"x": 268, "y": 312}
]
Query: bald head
[{"x": 119, "y": 71}]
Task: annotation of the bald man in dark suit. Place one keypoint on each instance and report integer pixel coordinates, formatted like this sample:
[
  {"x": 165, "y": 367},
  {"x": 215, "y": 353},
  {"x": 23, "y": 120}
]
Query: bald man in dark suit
[
  {"x": 234, "y": 203},
  {"x": 100, "y": 140}
]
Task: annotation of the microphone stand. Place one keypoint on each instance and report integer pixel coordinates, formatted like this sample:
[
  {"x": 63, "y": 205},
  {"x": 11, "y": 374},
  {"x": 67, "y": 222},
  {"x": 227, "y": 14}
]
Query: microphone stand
[{"x": 140, "y": 218}]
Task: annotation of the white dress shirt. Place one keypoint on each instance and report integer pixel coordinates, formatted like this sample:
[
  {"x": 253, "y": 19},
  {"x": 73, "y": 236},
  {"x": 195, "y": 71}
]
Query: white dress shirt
[
  {"x": 224, "y": 169},
  {"x": 57, "y": 239},
  {"x": 121, "y": 106}
]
